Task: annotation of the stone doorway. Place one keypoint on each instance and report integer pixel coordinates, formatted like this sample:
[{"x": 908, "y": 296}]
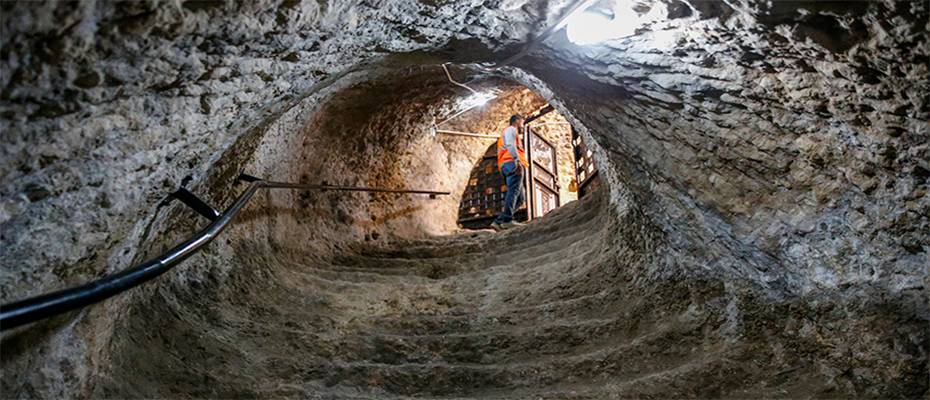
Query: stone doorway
[{"x": 552, "y": 180}]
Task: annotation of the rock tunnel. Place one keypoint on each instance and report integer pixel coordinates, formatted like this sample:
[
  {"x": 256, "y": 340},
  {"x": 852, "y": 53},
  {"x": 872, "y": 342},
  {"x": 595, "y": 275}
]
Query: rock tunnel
[{"x": 761, "y": 229}]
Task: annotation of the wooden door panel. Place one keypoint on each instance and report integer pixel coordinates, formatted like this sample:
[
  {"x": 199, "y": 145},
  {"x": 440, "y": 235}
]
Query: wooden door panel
[{"x": 543, "y": 180}]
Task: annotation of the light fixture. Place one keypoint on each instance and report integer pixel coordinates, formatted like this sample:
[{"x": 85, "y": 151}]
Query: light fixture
[
  {"x": 478, "y": 99},
  {"x": 588, "y": 27},
  {"x": 596, "y": 25}
]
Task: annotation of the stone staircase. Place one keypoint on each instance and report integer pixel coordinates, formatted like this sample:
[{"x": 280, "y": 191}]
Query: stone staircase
[{"x": 537, "y": 312}]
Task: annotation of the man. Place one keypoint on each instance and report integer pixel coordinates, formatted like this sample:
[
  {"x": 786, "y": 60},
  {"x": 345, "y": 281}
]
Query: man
[{"x": 511, "y": 161}]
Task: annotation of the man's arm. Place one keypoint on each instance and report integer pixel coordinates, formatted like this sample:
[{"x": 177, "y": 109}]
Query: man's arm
[{"x": 510, "y": 143}]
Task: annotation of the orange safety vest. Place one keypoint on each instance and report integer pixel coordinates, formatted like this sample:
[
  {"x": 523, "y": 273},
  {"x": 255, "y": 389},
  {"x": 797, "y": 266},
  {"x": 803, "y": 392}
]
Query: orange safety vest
[{"x": 504, "y": 156}]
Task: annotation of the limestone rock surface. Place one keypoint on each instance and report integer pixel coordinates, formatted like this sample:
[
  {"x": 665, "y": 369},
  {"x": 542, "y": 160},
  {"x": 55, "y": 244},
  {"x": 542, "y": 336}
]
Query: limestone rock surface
[{"x": 766, "y": 167}]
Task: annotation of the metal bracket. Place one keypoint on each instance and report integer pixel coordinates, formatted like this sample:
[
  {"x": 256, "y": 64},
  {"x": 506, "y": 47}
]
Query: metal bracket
[
  {"x": 191, "y": 200},
  {"x": 244, "y": 177}
]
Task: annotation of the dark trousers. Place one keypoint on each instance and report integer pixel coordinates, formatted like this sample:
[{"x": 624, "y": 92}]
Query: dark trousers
[{"x": 514, "y": 197}]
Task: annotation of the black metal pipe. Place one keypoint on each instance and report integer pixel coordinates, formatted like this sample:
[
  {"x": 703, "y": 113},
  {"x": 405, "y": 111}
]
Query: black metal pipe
[
  {"x": 47, "y": 305},
  {"x": 191, "y": 200}
]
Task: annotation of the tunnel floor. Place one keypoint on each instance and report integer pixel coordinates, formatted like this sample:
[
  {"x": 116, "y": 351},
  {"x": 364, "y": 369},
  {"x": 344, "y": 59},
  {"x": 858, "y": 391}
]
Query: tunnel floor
[{"x": 535, "y": 312}]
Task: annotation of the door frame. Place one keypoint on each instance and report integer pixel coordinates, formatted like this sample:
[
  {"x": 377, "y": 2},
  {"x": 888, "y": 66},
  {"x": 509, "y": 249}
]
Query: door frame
[{"x": 531, "y": 179}]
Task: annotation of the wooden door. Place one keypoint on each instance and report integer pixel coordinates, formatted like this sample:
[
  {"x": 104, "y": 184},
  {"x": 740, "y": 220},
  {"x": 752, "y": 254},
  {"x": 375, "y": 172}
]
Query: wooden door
[{"x": 542, "y": 185}]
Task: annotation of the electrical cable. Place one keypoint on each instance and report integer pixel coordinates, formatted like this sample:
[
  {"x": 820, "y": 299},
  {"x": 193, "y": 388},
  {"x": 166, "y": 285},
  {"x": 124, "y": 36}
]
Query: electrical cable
[{"x": 448, "y": 75}]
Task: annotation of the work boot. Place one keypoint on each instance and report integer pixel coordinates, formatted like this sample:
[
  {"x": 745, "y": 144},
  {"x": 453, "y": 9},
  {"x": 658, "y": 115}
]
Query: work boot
[{"x": 497, "y": 226}]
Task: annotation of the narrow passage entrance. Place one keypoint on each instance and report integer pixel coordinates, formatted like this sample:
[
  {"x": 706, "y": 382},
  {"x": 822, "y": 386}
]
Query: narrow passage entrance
[{"x": 561, "y": 171}]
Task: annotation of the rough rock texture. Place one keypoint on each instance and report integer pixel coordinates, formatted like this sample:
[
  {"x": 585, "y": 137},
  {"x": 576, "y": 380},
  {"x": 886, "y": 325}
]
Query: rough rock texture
[
  {"x": 766, "y": 167},
  {"x": 457, "y": 316},
  {"x": 806, "y": 133}
]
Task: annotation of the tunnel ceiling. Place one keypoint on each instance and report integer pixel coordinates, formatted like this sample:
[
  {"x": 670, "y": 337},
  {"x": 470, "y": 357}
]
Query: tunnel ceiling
[
  {"x": 784, "y": 142},
  {"x": 785, "y": 119}
]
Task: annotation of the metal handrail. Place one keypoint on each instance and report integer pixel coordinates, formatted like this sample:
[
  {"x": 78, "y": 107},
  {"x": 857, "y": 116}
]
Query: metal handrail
[{"x": 47, "y": 305}]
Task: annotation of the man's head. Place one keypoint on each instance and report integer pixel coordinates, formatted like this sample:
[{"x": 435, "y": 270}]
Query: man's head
[{"x": 516, "y": 120}]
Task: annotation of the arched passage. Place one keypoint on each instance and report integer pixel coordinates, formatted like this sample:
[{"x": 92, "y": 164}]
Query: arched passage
[
  {"x": 763, "y": 169},
  {"x": 552, "y": 179}
]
